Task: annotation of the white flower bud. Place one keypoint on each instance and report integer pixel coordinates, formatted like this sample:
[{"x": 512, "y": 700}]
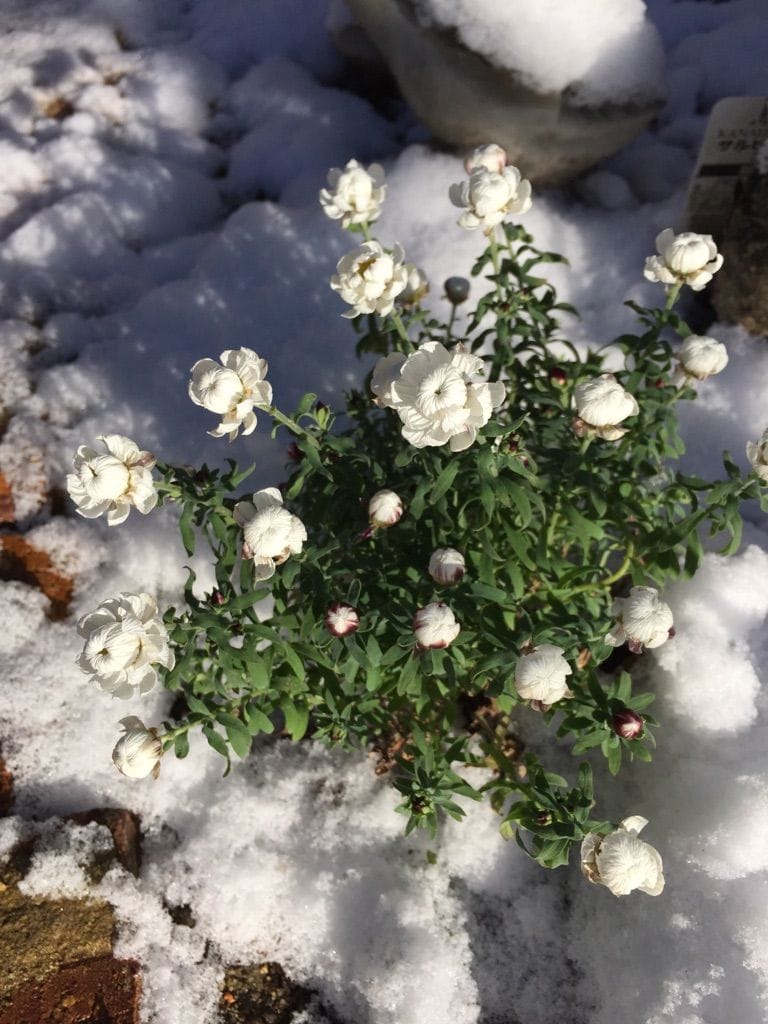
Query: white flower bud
[
  {"x": 369, "y": 278},
  {"x": 642, "y": 620},
  {"x": 489, "y": 197},
  {"x": 341, "y": 619},
  {"x": 114, "y": 482},
  {"x": 602, "y": 403},
  {"x": 385, "y": 509},
  {"x": 435, "y": 395},
  {"x": 137, "y": 753},
  {"x": 271, "y": 534},
  {"x": 492, "y": 157},
  {"x": 447, "y": 566},
  {"x": 435, "y": 626},
  {"x": 125, "y": 639},
  {"x": 622, "y": 862},
  {"x": 700, "y": 357},
  {"x": 687, "y": 258},
  {"x": 232, "y": 390},
  {"x": 355, "y": 194},
  {"x": 757, "y": 453},
  {"x": 541, "y": 675}
]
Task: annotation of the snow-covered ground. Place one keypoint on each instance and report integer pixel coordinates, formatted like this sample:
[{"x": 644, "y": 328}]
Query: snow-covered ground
[{"x": 160, "y": 163}]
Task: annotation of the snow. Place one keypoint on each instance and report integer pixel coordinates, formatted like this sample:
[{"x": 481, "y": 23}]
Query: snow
[
  {"x": 613, "y": 52},
  {"x": 173, "y": 215}
]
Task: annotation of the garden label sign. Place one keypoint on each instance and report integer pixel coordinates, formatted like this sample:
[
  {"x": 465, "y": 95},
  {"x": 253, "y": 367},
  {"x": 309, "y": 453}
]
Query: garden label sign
[{"x": 738, "y": 126}]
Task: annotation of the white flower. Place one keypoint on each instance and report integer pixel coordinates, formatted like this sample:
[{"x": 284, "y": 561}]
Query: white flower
[
  {"x": 488, "y": 197},
  {"x": 434, "y": 626},
  {"x": 757, "y": 453},
  {"x": 492, "y": 157},
  {"x": 124, "y": 639},
  {"x": 137, "y": 753},
  {"x": 112, "y": 482},
  {"x": 622, "y": 862},
  {"x": 385, "y": 509},
  {"x": 602, "y": 403},
  {"x": 434, "y": 395},
  {"x": 231, "y": 390},
  {"x": 369, "y": 278},
  {"x": 272, "y": 533},
  {"x": 341, "y": 619},
  {"x": 687, "y": 258},
  {"x": 700, "y": 357},
  {"x": 447, "y": 566},
  {"x": 541, "y": 674},
  {"x": 416, "y": 288},
  {"x": 642, "y": 620},
  {"x": 355, "y": 194}
]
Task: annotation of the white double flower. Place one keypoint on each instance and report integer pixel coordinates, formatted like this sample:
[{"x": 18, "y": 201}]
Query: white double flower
[
  {"x": 435, "y": 626},
  {"x": 686, "y": 258},
  {"x": 271, "y": 533},
  {"x": 700, "y": 357},
  {"x": 542, "y": 673},
  {"x": 622, "y": 862},
  {"x": 642, "y": 620},
  {"x": 488, "y": 197},
  {"x": 232, "y": 390},
  {"x": 114, "y": 481},
  {"x": 125, "y": 639},
  {"x": 354, "y": 194},
  {"x": 757, "y": 453},
  {"x": 434, "y": 395},
  {"x": 601, "y": 405},
  {"x": 370, "y": 278}
]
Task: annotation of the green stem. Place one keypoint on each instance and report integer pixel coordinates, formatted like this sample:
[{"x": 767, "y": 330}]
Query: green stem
[
  {"x": 365, "y": 230},
  {"x": 449, "y": 330},
  {"x": 672, "y": 295},
  {"x": 400, "y": 327},
  {"x": 292, "y": 425}
]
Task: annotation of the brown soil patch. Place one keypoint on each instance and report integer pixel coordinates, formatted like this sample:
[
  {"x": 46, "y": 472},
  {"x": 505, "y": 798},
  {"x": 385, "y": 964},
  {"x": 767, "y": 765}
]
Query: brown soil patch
[{"x": 20, "y": 560}]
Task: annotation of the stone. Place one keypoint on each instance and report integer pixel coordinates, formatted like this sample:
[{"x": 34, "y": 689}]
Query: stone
[
  {"x": 740, "y": 289},
  {"x": 467, "y": 101},
  {"x": 126, "y": 833},
  {"x": 22, "y": 561}
]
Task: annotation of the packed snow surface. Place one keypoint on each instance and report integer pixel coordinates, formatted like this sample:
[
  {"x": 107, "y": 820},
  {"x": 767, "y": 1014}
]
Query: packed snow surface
[
  {"x": 602, "y": 50},
  {"x": 161, "y": 162}
]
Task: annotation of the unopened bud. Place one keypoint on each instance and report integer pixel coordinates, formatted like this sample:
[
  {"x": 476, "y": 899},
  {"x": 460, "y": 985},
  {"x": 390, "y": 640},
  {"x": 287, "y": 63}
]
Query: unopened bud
[
  {"x": 218, "y": 598},
  {"x": 456, "y": 290},
  {"x": 628, "y": 724},
  {"x": 385, "y": 509},
  {"x": 558, "y": 376},
  {"x": 446, "y": 566}
]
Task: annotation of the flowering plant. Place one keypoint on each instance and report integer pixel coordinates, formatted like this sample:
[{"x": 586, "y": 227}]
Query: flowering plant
[{"x": 490, "y": 518}]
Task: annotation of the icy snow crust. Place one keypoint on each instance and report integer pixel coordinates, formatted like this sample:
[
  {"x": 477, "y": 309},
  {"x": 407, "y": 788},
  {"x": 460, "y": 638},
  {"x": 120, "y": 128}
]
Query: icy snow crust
[{"x": 170, "y": 215}]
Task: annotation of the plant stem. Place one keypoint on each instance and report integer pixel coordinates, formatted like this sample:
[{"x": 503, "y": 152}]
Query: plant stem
[
  {"x": 672, "y": 295},
  {"x": 286, "y": 421},
  {"x": 400, "y": 326}
]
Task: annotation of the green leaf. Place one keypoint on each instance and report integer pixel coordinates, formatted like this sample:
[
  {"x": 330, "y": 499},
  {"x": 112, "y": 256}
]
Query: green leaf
[
  {"x": 187, "y": 530},
  {"x": 216, "y": 741},
  {"x": 256, "y": 720},
  {"x": 181, "y": 744},
  {"x": 296, "y": 719},
  {"x": 237, "y": 733},
  {"x": 444, "y": 481}
]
